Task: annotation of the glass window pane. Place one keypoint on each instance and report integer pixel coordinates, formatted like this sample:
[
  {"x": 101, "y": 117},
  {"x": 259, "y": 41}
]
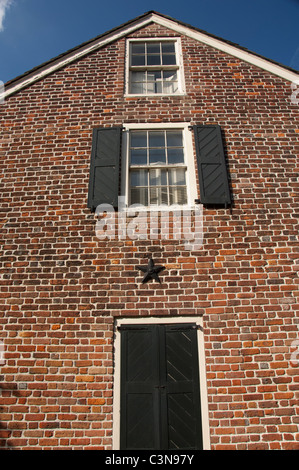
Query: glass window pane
[
  {"x": 138, "y": 139},
  {"x": 139, "y": 196},
  {"x": 138, "y": 48},
  {"x": 138, "y": 157},
  {"x": 175, "y": 87},
  {"x": 153, "y": 48},
  {"x": 157, "y": 156},
  {"x": 178, "y": 195},
  {"x": 158, "y": 177},
  {"x": 150, "y": 88},
  {"x": 170, "y": 87},
  {"x": 158, "y": 195},
  {"x": 170, "y": 75},
  {"x": 153, "y": 75},
  {"x": 177, "y": 176},
  {"x": 158, "y": 87},
  {"x": 138, "y": 76},
  {"x": 174, "y": 139},
  {"x": 138, "y": 88},
  {"x": 139, "y": 178},
  {"x": 168, "y": 47},
  {"x": 175, "y": 155},
  {"x": 137, "y": 60},
  {"x": 153, "y": 59},
  {"x": 168, "y": 59},
  {"x": 156, "y": 139}
]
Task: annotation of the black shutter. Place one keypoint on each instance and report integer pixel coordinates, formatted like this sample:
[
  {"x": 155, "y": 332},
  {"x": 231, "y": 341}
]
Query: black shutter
[
  {"x": 182, "y": 394},
  {"x": 104, "y": 167},
  {"x": 139, "y": 397},
  {"x": 160, "y": 394},
  {"x": 212, "y": 172}
]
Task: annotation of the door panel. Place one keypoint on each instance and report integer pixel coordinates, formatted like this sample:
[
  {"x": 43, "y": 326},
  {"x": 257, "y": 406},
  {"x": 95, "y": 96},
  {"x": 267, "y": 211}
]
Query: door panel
[{"x": 160, "y": 395}]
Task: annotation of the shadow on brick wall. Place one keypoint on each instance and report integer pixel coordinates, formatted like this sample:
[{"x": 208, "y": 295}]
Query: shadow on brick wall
[{"x": 8, "y": 395}]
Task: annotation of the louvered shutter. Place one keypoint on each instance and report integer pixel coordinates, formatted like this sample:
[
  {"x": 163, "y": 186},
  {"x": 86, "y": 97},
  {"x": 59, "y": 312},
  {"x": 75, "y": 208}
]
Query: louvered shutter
[
  {"x": 104, "y": 167},
  {"x": 212, "y": 172},
  {"x": 160, "y": 393},
  {"x": 139, "y": 422},
  {"x": 182, "y": 393}
]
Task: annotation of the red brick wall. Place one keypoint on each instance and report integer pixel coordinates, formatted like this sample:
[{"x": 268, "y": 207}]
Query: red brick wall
[{"x": 61, "y": 287}]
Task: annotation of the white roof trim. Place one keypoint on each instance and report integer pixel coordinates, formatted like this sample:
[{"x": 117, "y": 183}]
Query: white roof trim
[{"x": 168, "y": 23}]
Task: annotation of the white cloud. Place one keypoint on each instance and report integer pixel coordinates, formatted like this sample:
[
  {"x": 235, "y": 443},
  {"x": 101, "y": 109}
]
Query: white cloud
[{"x": 4, "y": 5}]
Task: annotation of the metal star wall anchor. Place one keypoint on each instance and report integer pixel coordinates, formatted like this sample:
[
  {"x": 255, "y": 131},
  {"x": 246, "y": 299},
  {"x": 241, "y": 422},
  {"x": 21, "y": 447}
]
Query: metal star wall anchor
[{"x": 151, "y": 271}]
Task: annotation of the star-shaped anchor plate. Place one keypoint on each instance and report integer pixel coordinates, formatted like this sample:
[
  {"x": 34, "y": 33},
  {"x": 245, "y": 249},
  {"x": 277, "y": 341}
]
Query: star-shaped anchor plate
[{"x": 150, "y": 271}]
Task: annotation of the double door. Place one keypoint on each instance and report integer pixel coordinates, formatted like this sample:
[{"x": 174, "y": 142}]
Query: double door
[{"x": 160, "y": 390}]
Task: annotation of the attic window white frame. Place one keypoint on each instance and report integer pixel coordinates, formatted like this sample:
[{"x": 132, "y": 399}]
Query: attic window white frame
[
  {"x": 192, "y": 193},
  {"x": 178, "y": 66}
]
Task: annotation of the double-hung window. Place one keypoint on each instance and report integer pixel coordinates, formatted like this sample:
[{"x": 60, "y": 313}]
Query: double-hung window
[
  {"x": 154, "y": 67},
  {"x": 159, "y": 166}
]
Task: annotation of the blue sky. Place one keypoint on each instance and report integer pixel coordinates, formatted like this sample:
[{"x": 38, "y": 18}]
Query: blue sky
[{"x": 34, "y": 31}]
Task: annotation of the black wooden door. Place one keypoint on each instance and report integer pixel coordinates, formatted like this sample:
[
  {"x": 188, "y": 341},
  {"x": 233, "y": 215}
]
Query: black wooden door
[{"x": 160, "y": 395}]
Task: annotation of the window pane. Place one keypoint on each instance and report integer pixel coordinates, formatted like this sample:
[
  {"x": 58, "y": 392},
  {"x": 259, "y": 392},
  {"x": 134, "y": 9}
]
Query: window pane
[
  {"x": 168, "y": 59},
  {"x": 138, "y": 157},
  {"x": 138, "y": 60},
  {"x": 170, "y": 75},
  {"x": 138, "y": 76},
  {"x": 174, "y": 139},
  {"x": 170, "y": 87},
  {"x": 157, "y": 156},
  {"x": 175, "y": 155},
  {"x": 158, "y": 177},
  {"x": 170, "y": 81},
  {"x": 139, "y": 196},
  {"x": 138, "y": 88},
  {"x": 138, "y": 139},
  {"x": 138, "y": 48},
  {"x": 178, "y": 195},
  {"x": 153, "y": 59},
  {"x": 153, "y": 48},
  {"x": 151, "y": 88},
  {"x": 158, "y": 195},
  {"x": 168, "y": 47},
  {"x": 153, "y": 75},
  {"x": 139, "y": 178},
  {"x": 156, "y": 139},
  {"x": 177, "y": 176},
  {"x": 159, "y": 88}
]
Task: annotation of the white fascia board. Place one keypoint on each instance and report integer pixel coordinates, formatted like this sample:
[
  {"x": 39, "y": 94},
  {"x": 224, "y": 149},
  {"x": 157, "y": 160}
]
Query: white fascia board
[
  {"x": 228, "y": 48},
  {"x": 174, "y": 26}
]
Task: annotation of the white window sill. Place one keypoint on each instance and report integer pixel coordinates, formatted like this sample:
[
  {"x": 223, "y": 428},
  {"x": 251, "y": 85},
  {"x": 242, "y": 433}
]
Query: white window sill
[
  {"x": 132, "y": 210},
  {"x": 131, "y": 95}
]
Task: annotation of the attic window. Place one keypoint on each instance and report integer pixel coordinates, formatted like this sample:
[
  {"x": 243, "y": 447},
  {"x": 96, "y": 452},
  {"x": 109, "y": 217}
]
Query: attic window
[{"x": 154, "y": 67}]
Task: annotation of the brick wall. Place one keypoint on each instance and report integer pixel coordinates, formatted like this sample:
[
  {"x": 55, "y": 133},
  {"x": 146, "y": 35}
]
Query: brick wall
[{"x": 62, "y": 287}]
